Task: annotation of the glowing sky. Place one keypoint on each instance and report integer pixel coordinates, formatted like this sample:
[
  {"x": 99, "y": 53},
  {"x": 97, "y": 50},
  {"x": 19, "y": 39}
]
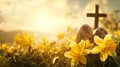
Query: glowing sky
[{"x": 50, "y": 15}]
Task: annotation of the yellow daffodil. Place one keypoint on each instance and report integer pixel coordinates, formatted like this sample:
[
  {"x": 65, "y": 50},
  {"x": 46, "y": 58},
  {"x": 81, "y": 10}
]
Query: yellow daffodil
[
  {"x": 4, "y": 46},
  {"x": 24, "y": 39},
  {"x": 12, "y": 49},
  {"x": 61, "y": 35},
  {"x": 71, "y": 37},
  {"x": 42, "y": 47},
  {"x": 71, "y": 34},
  {"x": 69, "y": 28},
  {"x": 44, "y": 39},
  {"x": 117, "y": 33},
  {"x": 105, "y": 47},
  {"x": 88, "y": 44},
  {"x": 77, "y": 53}
]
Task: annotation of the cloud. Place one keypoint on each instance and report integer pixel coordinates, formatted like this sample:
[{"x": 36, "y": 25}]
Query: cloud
[
  {"x": 44, "y": 15},
  {"x": 105, "y": 1},
  {"x": 90, "y": 8},
  {"x": 38, "y": 15}
]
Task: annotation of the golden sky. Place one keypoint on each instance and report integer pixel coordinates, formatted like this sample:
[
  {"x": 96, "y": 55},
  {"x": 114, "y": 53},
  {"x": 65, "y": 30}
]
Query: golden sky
[{"x": 48, "y": 15}]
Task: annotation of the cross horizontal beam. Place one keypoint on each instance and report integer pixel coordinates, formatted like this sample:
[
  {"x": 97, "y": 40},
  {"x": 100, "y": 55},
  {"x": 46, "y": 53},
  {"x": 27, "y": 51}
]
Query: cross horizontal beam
[
  {"x": 96, "y": 15},
  {"x": 93, "y": 15}
]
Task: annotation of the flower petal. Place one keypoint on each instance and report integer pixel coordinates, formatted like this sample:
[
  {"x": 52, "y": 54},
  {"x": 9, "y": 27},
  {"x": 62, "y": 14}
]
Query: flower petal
[
  {"x": 110, "y": 53},
  {"x": 107, "y": 37},
  {"x": 83, "y": 60},
  {"x": 114, "y": 53},
  {"x": 82, "y": 44},
  {"x": 99, "y": 41},
  {"x": 86, "y": 51},
  {"x": 68, "y": 54},
  {"x": 73, "y": 61},
  {"x": 76, "y": 48},
  {"x": 88, "y": 44},
  {"x": 103, "y": 56},
  {"x": 96, "y": 50}
]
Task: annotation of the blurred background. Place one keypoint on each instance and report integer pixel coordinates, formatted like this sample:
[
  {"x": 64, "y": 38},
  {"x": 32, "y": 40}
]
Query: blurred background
[{"x": 45, "y": 17}]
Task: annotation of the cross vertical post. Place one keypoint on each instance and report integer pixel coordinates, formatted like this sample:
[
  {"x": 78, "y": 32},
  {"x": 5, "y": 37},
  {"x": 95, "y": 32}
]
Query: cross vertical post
[{"x": 96, "y": 15}]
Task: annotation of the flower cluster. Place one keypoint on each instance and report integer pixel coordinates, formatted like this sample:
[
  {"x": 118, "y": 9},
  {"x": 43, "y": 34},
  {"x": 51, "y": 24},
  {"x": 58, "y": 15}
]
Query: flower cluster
[
  {"x": 25, "y": 51},
  {"x": 104, "y": 47}
]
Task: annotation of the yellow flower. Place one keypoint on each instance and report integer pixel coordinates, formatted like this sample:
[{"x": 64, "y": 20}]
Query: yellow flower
[
  {"x": 44, "y": 39},
  {"x": 69, "y": 28},
  {"x": 42, "y": 47},
  {"x": 12, "y": 49},
  {"x": 24, "y": 39},
  {"x": 61, "y": 35},
  {"x": 4, "y": 46},
  {"x": 77, "y": 53},
  {"x": 71, "y": 37},
  {"x": 88, "y": 44},
  {"x": 117, "y": 33},
  {"x": 105, "y": 47}
]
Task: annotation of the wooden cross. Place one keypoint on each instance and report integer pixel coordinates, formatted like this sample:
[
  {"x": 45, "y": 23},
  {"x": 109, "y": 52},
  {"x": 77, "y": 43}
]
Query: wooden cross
[{"x": 96, "y": 15}]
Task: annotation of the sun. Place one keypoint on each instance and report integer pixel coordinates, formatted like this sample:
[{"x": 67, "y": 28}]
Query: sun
[{"x": 46, "y": 21}]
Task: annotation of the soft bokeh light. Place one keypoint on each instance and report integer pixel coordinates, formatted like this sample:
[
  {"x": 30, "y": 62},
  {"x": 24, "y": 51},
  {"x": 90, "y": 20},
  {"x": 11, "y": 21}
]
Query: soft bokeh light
[{"x": 48, "y": 15}]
